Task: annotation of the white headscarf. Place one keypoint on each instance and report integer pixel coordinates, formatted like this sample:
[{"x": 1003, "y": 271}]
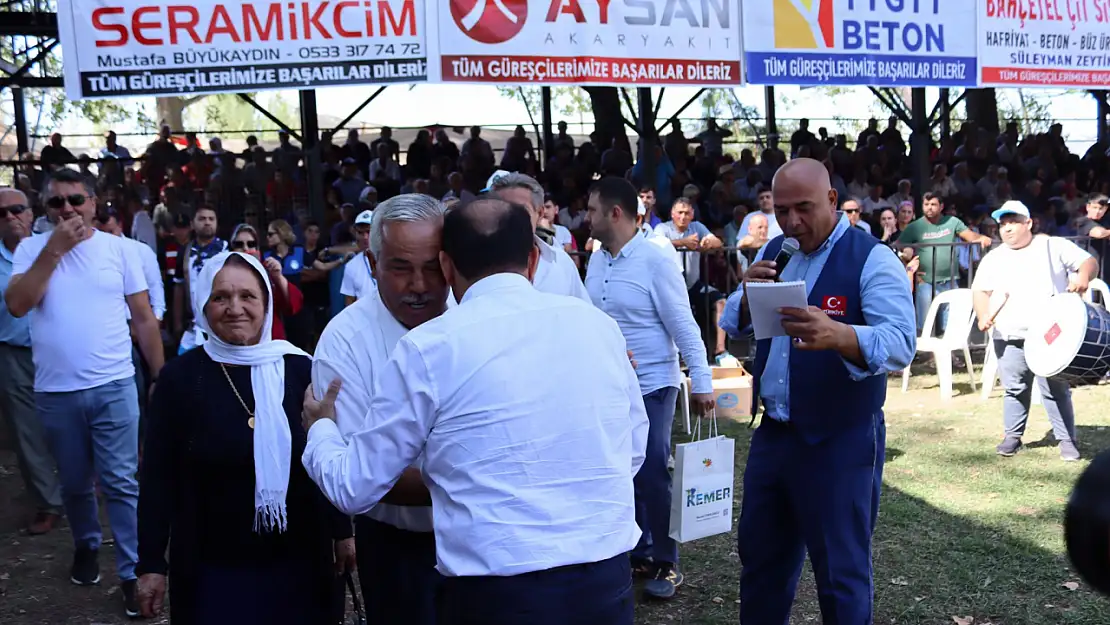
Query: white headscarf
[{"x": 272, "y": 440}]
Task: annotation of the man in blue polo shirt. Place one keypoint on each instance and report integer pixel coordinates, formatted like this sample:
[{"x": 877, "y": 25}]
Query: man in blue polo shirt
[
  {"x": 17, "y": 376},
  {"x": 815, "y": 467}
]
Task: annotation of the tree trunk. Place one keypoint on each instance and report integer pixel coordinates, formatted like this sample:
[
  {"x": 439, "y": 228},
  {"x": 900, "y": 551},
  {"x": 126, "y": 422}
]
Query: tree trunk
[
  {"x": 608, "y": 119},
  {"x": 982, "y": 106},
  {"x": 171, "y": 111}
]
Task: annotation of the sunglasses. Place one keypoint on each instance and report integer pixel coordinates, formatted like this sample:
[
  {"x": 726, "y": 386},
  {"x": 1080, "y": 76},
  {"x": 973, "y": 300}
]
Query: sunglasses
[
  {"x": 244, "y": 245},
  {"x": 59, "y": 201},
  {"x": 271, "y": 234},
  {"x": 14, "y": 209},
  {"x": 852, "y": 211}
]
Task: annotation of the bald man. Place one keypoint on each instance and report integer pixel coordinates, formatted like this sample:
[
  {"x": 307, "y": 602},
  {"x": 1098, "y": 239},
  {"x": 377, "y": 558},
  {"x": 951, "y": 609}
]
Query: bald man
[
  {"x": 17, "y": 376},
  {"x": 816, "y": 462}
]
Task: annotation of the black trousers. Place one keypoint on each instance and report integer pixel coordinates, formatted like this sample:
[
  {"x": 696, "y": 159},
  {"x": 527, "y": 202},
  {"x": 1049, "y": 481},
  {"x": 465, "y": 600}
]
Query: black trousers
[{"x": 396, "y": 570}]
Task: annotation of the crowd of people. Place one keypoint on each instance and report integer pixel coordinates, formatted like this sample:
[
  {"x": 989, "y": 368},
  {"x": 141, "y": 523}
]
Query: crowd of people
[{"x": 215, "y": 289}]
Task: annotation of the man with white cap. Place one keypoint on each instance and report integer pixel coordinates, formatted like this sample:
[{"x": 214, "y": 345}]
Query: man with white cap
[
  {"x": 358, "y": 279},
  {"x": 1010, "y": 285}
]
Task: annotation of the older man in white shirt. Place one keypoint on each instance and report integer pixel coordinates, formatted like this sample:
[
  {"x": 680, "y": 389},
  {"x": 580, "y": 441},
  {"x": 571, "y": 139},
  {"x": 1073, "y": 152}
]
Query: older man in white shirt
[
  {"x": 530, "y": 477},
  {"x": 556, "y": 272},
  {"x": 639, "y": 286},
  {"x": 395, "y": 546}
]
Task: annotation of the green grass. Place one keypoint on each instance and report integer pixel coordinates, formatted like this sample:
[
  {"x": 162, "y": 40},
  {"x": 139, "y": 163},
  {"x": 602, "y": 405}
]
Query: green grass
[{"x": 962, "y": 532}]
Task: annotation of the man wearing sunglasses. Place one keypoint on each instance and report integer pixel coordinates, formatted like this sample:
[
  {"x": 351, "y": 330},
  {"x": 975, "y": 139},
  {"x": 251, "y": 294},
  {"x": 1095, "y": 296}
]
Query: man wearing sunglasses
[
  {"x": 17, "y": 377},
  {"x": 82, "y": 284}
]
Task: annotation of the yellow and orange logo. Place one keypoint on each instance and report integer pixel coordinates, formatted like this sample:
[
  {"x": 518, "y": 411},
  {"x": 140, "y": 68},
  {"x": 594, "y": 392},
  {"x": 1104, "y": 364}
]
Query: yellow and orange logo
[{"x": 804, "y": 24}]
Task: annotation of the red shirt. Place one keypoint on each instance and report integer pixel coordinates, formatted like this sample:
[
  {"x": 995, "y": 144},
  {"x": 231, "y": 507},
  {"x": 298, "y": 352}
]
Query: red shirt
[{"x": 283, "y": 307}]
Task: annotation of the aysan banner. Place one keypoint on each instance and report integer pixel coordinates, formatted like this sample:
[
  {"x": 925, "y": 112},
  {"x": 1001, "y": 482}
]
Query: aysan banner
[
  {"x": 907, "y": 43},
  {"x": 1045, "y": 43},
  {"x": 589, "y": 42},
  {"x": 114, "y": 48}
]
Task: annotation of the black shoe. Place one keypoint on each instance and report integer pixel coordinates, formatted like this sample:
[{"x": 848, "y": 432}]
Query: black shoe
[
  {"x": 130, "y": 598},
  {"x": 1009, "y": 446},
  {"x": 667, "y": 579},
  {"x": 86, "y": 567},
  {"x": 642, "y": 568}
]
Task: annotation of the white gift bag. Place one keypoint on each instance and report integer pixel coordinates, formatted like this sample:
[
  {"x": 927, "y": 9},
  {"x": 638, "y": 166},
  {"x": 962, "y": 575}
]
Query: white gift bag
[{"x": 701, "y": 498}]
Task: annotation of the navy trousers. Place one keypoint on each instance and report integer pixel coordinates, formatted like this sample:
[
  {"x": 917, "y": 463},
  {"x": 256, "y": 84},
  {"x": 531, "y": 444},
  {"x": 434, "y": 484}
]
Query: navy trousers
[
  {"x": 821, "y": 497},
  {"x": 599, "y": 593},
  {"x": 397, "y": 574},
  {"x": 653, "y": 482}
]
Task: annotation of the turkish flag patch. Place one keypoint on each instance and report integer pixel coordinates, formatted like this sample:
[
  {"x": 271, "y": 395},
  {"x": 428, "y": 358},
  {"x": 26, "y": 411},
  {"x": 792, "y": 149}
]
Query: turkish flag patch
[
  {"x": 1052, "y": 334},
  {"x": 835, "y": 305}
]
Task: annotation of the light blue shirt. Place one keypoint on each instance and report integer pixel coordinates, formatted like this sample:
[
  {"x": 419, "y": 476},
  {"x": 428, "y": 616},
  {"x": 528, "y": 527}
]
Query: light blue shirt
[
  {"x": 691, "y": 261},
  {"x": 642, "y": 289},
  {"x": 13, "y": 331},
  {"x": 888, "y": 341}
]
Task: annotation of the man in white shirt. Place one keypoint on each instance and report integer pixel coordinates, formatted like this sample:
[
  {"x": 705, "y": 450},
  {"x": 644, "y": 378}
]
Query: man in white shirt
[
  {"x": 636, "y": 284},
  {"x": 81, "y": 284},
  {"x": 1012, "y": 282},
  {"x": 358, "y": 278},
  {"x": 556, "y": 272},
  {"x": 530, "y": 477},
  {"x": 767, "y": 207},
  {"x": 394, "y": 543}
]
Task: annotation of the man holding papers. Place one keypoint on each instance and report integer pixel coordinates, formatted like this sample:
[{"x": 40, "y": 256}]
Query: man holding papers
[{"x": 815, "y": 467}]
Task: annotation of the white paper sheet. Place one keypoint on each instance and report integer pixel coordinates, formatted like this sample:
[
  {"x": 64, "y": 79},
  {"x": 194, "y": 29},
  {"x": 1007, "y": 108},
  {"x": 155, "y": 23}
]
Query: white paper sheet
[{"x": 764, "y": 300}]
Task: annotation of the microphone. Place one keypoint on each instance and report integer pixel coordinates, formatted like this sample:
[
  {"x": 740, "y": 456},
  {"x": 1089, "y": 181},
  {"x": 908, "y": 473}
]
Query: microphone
[{"x": 789, "y": 248}]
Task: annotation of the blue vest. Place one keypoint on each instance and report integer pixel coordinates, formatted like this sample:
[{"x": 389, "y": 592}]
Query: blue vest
[{"x": 823, "y": 397}]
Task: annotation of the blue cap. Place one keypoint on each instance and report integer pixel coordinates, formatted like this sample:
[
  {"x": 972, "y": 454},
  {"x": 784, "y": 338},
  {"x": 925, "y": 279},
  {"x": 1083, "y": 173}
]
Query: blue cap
[{"x": 1013, "y": 207}]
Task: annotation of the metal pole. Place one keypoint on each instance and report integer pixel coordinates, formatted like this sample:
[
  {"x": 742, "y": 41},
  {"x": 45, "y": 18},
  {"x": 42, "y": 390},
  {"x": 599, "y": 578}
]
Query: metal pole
[
  {"x": 945, "y": 113},
  {"x": 919, "y": 143},
  {"x": 769, "y": 104},
  {"x": 647, "y": 134},
  {"x": 1103, "y": 99},
  {"x": 19, "y": 108},
  {"x": 310, "y": 137},
  {"x": 548, "y": 148}
]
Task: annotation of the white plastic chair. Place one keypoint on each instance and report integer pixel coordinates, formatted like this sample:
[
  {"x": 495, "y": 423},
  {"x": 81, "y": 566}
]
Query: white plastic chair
[
  {"x": 990, "y": 376},
  {"x": 956, "y": 331},
  {"x": 1103, "y": 291}
]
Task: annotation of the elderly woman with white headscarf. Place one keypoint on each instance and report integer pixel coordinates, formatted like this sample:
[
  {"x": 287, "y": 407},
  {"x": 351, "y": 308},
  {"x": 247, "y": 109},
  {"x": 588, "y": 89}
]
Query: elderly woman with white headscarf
[{"x": 251, "y": 538}]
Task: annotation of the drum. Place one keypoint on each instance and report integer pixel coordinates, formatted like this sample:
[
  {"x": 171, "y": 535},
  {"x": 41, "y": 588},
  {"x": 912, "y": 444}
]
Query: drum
[{"x": 1069, "y": 339}]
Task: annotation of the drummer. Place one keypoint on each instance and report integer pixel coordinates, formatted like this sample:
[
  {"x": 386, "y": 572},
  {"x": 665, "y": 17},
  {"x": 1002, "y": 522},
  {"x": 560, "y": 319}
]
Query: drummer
[{"x": 1012, "y": 282}]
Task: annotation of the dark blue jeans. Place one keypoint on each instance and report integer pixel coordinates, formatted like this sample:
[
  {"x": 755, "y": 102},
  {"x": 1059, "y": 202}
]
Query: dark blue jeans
[
  {"x": 653, "y": 482},
  {"x": 599, "y": 593},
  {"x": 397, "y": 572}
]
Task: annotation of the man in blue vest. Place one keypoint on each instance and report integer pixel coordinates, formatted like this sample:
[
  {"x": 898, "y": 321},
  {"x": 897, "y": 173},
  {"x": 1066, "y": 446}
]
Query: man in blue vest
[{"x": 816, "y": 461}]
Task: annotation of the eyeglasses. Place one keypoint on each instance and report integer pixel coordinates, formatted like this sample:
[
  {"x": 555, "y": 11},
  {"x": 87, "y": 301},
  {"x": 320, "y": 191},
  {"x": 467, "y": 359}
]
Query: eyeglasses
[
  {"x": 14, "y": 209},
  {"x": 59, "y": 201},
  {"x": 244, "y": 245},
  {"x": 271, "y": 234}
]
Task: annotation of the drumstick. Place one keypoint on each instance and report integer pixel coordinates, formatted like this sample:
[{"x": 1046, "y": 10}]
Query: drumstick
[{"x": 1005, "y": 298}]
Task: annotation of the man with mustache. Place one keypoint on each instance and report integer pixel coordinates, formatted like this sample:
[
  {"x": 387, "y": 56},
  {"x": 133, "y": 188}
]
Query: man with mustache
[{"x": 394, "y": 541}]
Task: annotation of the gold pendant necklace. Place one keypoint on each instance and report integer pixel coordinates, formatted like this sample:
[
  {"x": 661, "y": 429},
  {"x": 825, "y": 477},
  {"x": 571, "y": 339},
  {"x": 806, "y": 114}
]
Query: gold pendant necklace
[{"x": 250, "y": 421}]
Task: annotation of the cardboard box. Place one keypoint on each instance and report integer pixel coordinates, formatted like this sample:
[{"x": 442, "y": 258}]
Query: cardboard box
[{"x": 732, "y": 391}]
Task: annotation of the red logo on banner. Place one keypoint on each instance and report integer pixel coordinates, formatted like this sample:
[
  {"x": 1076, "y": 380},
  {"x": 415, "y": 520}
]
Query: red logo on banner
[
  {"x": 1052, "y": 334},
  {"x": 835, "y": 305},
  {"x": 490, "y": 21}
]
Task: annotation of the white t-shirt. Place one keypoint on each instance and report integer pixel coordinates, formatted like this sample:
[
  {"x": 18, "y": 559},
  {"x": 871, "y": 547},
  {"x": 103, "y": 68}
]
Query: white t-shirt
[
  {"x": 357, "y": 278},
  {"x": 153, "y": 274},
  {"x": 563, "y": 237},
  {"x": 1029, "y": 275},
  {"x": 79, "y": 333}
]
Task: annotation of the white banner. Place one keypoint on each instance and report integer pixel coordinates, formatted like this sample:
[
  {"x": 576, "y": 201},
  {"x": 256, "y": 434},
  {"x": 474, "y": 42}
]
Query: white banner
[
  {"x": 590, "y": 42},
  {"x": 114, "y": 48},
  {"x": 1044, "y": 43},
  {"x": 904, "y": 43}
]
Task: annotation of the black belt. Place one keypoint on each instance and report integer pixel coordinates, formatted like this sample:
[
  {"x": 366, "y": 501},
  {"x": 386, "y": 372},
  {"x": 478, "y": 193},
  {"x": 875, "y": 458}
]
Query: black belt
[{"x": 769, "y": 421}]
